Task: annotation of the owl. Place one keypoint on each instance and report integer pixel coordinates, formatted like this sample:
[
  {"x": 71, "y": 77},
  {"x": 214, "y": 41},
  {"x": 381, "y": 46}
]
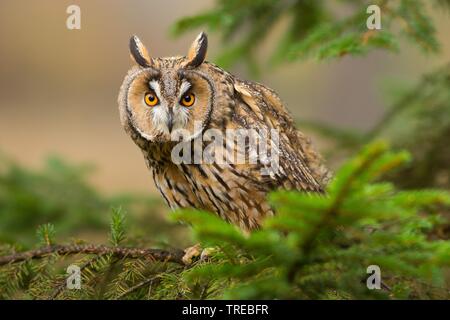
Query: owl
[{"x": 160, "y": 96}]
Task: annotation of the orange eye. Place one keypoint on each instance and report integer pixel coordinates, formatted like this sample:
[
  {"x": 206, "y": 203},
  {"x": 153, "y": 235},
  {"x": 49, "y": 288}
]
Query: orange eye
[
  {"x": 188, "y": 100},
  {"x": 151, "y": 99}
]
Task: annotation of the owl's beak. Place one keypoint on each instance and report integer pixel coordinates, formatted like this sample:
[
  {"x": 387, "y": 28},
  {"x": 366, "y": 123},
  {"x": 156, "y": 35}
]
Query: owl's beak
[{"x": 170, "y": 120}]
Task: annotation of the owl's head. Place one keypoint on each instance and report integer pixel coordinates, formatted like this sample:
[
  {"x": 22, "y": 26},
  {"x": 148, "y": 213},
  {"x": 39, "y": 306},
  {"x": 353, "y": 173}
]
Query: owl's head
[{"x": 162, "y": 95}]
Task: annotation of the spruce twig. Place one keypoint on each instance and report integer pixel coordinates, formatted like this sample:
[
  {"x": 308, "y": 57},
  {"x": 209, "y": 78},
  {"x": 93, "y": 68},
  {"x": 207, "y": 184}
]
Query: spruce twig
[
  {"x": 141, "y": 284},
  {"x": 173, "y": 255},
  {"x": 62, "y": 284}
]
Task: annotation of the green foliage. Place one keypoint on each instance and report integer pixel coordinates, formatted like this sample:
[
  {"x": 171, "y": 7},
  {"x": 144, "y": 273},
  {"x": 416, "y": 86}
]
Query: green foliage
[
  {"x": 57, "y": 194},
  {"x": 46, "y": 234},
  {"x": 316, "y": 247},
  {"x": 314, "y": 28},
  {"x": 418, "y": 121},
  {"x": 61, "y": 195},
  {"x": 117, "y": 226}
]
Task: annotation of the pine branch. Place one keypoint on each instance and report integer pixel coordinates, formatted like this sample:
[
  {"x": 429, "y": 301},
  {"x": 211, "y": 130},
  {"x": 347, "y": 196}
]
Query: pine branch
[
  {"x": 62, "y": 283},
  {"x": 141, "y": 284},
  {"x": 174, "y": 255},
  {"x": 329, "y": 214},
  {"x": 407, "y": 100},
  {"x": 314, "y": 28}
]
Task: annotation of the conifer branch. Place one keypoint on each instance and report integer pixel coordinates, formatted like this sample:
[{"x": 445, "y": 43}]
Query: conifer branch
[
  {"x": 141, "y": 284},
  {"x": 62, "y": 283},
  {"x": 173, "y": 255}
]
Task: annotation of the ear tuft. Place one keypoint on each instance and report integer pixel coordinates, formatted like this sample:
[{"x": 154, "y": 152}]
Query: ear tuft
[
  {"x": 197, "y": 51},
  {"x": 139, "y": 52}
]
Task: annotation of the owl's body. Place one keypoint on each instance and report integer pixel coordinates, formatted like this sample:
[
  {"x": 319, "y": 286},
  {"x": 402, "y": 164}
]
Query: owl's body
[{"x": 237, "y": 192}]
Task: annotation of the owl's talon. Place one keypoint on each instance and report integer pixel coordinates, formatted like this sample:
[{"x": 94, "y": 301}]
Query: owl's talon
[
  {"x": 206, "y": 254},
  {"x": 196, "y": 252},
  {"x": 190, "y": 253}
]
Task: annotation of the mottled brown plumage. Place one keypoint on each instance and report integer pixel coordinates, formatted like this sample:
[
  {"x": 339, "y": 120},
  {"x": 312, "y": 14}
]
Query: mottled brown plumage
[{"x": 236, "y": 191}]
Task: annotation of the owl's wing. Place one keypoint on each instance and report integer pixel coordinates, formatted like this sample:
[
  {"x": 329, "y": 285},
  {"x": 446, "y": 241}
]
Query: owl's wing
[{"x": 299, "y": 166}]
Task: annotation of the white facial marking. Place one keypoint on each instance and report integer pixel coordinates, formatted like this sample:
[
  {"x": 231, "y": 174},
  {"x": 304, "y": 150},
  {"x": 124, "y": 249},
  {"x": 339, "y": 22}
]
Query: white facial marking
[
  {"x": 159, "y": 113},
  {"x": 160, "y": 117},
  {"x": 154, "y": 85},
  {"x": 185, "y": 86}
]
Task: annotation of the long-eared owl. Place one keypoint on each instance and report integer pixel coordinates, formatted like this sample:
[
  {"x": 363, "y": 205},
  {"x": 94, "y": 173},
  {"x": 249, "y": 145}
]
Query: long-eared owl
[{"x": 160, "y": 96}]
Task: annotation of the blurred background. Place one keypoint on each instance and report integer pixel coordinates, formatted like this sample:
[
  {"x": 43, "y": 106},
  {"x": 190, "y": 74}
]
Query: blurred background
[{"x": 59, "y": 87}]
